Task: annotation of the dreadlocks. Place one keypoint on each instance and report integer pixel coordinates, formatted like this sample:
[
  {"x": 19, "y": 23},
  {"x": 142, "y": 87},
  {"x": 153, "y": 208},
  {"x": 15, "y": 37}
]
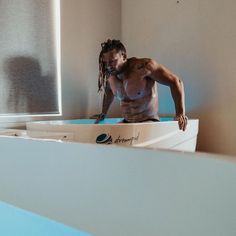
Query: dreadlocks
[{"x": 107, "y": 46}]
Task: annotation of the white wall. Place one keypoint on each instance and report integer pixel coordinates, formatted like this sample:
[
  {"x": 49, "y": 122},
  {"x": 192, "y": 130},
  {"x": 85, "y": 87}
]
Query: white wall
[
  {"x": 85, "y": 24},
  {"x": 196, "y": 40},
  {"x": 108, "y": 190}
]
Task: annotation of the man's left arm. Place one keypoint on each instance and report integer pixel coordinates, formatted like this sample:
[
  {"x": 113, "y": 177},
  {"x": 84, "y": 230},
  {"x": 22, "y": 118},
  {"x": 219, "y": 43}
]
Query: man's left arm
[
  {"x": 162, "y": 75},
  {"x": 177, "y": 92}
]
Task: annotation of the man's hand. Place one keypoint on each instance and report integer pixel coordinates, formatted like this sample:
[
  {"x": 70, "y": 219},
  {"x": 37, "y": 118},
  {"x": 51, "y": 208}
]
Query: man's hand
[
  {"x": 182, "y": 121},
  {"x": 98, "y": 117}
]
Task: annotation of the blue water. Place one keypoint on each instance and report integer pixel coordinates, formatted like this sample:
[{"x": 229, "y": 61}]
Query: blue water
[
  {"x": 167, "y": 119},
  {"x": 91, "y": 121},
  {"x": 106, "y": 121}
]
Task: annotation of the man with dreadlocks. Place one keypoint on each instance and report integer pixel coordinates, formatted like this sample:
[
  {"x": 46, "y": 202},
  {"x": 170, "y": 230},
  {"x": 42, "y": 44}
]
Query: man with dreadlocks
[{"x": 132, "y": 81}]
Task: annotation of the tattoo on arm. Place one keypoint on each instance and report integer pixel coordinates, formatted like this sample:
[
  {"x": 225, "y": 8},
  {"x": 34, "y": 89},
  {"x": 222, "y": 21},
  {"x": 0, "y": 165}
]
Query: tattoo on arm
[{"x": 142, "y": 66}]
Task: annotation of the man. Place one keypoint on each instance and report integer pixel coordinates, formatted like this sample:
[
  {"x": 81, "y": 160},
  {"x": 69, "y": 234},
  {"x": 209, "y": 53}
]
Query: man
[{"x": 132, "y": 81}]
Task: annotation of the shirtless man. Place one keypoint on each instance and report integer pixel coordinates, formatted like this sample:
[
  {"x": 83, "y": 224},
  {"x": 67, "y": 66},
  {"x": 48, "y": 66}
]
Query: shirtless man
[{"x": 132, "y": 81}]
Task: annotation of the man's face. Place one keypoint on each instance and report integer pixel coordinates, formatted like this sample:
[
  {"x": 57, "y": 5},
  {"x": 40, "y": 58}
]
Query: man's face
[{"x": 114, "y": 61}]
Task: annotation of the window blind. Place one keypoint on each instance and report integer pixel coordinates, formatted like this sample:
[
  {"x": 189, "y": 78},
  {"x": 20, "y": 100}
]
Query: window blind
[{"x": 29, "y": 57}]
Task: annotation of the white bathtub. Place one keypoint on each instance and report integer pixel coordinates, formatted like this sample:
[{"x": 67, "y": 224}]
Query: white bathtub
[{"x": 161, "y": 135}]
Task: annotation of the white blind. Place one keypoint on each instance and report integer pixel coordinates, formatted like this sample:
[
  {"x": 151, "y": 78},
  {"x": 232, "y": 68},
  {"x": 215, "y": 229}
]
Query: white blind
[{"x": 29, "y": 57}]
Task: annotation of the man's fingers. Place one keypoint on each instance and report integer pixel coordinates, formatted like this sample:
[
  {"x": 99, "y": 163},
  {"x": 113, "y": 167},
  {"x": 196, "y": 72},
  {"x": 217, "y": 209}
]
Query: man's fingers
[
  {"x": 98, "y": 120},
  {"x": 183, "y": 121},
  {"x": 100, "y": 117}
]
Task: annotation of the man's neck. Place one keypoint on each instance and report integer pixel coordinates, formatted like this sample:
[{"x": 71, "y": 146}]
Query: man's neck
[{"x": 123, "y": 69}]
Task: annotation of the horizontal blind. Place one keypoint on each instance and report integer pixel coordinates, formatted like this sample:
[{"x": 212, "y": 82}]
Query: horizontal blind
[{"x": 29, "y": 82}]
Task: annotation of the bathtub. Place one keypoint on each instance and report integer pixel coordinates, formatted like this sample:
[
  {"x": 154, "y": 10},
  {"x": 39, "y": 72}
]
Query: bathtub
[{"x": 157, "y": 135}]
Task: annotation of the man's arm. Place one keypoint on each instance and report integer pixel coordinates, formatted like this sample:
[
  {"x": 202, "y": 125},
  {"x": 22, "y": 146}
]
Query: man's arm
[
  {"x": 106, "y": 103},
  {"x": 177, "y": 91},
  {"x": 162, "y": 75}
]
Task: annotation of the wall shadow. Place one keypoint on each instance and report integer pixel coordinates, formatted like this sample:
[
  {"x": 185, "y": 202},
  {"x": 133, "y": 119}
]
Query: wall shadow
[{"x": 29, "y": 90}]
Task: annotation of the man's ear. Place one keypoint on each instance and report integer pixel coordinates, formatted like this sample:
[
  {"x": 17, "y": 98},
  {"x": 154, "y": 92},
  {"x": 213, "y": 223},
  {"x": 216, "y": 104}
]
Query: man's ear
[{"x": 124, "y": 55}]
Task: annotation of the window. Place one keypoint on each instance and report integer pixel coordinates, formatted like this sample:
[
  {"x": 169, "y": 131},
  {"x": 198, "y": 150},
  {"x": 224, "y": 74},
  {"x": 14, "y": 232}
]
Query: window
[{"x": 30, "y": 58}]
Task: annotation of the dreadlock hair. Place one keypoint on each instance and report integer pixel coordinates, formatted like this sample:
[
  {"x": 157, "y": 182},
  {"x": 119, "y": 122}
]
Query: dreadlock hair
[{"x": 107, "y": 46}]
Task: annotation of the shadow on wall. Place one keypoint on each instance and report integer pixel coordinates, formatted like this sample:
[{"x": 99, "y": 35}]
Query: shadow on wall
[{"x": 29, "y": 90}]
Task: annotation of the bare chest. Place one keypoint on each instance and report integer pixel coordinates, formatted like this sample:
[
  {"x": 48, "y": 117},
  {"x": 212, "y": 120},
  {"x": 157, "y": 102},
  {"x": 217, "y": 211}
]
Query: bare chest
[{"x": 132, "y": 86}]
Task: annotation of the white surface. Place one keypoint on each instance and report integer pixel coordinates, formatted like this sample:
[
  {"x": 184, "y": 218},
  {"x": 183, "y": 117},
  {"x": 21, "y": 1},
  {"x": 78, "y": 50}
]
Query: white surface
[
  {"x": 108, "y": 190},
  {"x": 164, "y": 134},
  {"x": 58, "y": 136}
]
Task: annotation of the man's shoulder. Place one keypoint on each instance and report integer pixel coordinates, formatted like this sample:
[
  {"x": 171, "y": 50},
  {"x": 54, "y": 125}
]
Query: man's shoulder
[
  {"x": 138, "y": 60},
  {"x": 141, "y": 63}
]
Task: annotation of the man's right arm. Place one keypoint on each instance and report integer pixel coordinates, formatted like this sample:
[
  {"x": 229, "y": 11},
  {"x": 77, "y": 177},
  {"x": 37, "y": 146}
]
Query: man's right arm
[{"x": 107, "y": 101}]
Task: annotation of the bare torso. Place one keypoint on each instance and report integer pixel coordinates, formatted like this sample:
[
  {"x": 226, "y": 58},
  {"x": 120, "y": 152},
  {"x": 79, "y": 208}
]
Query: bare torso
[{"x": 136, "y": 90}]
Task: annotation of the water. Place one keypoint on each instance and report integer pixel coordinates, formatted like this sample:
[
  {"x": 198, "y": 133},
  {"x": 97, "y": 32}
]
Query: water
[
  {"x": 105, "y": 121},
  {"x": 91, "y": 121},
  {"x": 167, "y": 119}
]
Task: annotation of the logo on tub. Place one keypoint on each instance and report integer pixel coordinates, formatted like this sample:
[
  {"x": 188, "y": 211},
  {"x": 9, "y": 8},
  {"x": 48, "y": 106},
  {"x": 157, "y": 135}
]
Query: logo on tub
[
  {"x": 104, "y": 138},
  {"x": 107, "y": 139}
]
